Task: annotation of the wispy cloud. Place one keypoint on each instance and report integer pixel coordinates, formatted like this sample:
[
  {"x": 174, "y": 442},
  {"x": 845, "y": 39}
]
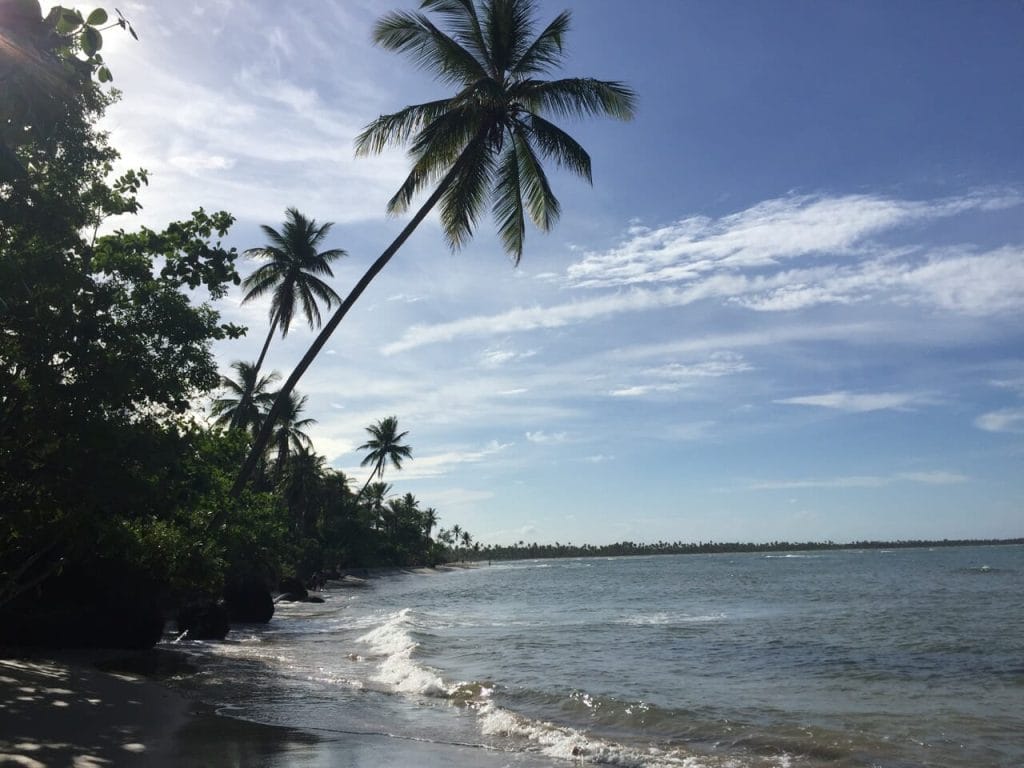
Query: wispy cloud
[
  {"x": 1004, "y": 420},
  {"x": 778, "y": 256},
  {"x": 764, "y": 235},
  {"x": 545, "y": 438},
  {"x": 858, "y": 403},
  {"x": 864, "y": 481}
]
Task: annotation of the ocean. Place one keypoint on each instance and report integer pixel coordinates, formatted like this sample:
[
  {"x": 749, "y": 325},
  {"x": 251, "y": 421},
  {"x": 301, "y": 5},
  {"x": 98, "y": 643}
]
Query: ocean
[{"x": 889, "y": 658}]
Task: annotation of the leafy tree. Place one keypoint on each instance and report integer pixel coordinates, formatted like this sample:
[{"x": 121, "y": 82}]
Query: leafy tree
[
  {"x": 384, "y": 446},
  {"x": 105, "y": 344},
  {"x": 485, "y": 143},
  {"x": 235, "y": 408}
]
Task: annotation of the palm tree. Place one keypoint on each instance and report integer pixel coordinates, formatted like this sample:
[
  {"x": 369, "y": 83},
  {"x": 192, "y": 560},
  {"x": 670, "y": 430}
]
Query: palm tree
[
  {"x": 291, "y": 274},
  {"x": 305, "y": 487},
  {"x": 384, "y": 445},
  {"x": 238, "y": 410},
  {"x": 484, "y": 143},
  {"x": 429, "y": 518},
  {"x": 289, "y": 435}
]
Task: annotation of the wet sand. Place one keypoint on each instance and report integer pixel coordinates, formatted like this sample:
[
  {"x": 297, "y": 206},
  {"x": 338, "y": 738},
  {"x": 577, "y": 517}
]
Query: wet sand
[{"x": 64, "y": 711}]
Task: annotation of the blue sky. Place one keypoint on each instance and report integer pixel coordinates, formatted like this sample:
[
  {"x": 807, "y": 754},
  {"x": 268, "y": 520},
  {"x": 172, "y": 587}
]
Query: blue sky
[{"x": 789, "y": 307}]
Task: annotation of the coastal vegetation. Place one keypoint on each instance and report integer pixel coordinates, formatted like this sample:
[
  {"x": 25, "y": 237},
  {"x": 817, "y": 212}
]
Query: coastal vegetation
[
  {"x": 534, "y": 551},
  {"x": 115, "y": 489},
  {"x": 123, "y": 497}
]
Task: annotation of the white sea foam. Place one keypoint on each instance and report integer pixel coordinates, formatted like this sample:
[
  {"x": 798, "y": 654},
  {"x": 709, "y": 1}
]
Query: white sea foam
[
  {"x": 661, "y": 619},
  {"x": 565, "y": 743},
  {"x": 393, "y": 641}
]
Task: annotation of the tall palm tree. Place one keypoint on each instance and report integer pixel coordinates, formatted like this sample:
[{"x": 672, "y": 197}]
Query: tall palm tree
[
  {"x": 237, "y": 410},
  {"x": 291, "y": 274},
  {"x": 486, "y": 142},
  {"x": 289, "y": 434},
  {"x": 385, "y": 445}
]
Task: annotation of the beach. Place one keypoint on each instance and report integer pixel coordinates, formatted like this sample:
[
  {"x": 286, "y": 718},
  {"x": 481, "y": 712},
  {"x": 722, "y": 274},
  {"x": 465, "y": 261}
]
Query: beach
[
  {"x": 66, "y": 711},
  {"x": 795, "y": 660}
]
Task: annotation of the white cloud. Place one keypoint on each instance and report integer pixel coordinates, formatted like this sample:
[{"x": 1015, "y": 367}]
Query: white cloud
[
  {"x": 544, "y": 438},
  {"x": 1005, "y": 420},
  {"x": 864, "y": 481},
  {"x": 858, "y": 403},
  {"x": 762, "y": 236},
  {"x": 747, "y": 260}
]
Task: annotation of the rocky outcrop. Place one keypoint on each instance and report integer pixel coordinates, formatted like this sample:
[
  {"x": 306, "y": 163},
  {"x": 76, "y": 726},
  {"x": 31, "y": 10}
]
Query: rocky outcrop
[{"x": 248, "y": 601}]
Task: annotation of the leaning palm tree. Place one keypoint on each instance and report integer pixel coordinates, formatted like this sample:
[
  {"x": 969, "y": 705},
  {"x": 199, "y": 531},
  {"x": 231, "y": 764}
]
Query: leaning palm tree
[
  {"x": 385, "y": 445},
  {"x": 291, "y": 275},
  {"x": 483, "y": 144},
  {"x": 246, "y": 400}
]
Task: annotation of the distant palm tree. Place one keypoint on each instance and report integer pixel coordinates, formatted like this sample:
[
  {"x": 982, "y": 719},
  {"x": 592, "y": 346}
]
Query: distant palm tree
[
  {"x": 237, "y": 410},
  {"x": 375, "y": 495},
  {"x": 289, "y": 435},
  {"x": 291, "y": 274},
  {"x": 429, "y": 518},
  {"x": 384, "y": 445},
  {"x": 484, "y": 143}
]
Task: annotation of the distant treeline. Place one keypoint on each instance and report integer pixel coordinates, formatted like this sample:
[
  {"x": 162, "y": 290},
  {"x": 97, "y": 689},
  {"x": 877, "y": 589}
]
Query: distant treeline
[{"x": 522, "y": 550}]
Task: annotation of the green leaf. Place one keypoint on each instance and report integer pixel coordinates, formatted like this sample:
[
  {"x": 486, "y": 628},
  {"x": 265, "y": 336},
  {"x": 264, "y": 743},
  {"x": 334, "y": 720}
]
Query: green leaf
[
  {"x": 103, "y": 75},
  {"x": 92, "y": 41},
  {"x": 99, "y": 16},
  {"x": 67, "y": 21}
]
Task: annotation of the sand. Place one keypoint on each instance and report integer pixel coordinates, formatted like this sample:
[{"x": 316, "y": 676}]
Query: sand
[{"x": 63, "y": 711}]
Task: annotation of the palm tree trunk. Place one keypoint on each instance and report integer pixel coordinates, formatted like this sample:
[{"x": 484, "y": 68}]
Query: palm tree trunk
[
  {"x": 246, "y": 399},
  {"x": 266, "y": 345},
  {"x": 325, "y": 333}
]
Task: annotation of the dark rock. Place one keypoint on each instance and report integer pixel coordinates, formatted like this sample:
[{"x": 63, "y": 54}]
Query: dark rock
[
  {"x": 288, "y": 597},
  {"x": 248, "y": 602},
  {"x": 314, "y": 599},
  {"x": 205, "y": 620},
  {"x": 293, "y": 586}
]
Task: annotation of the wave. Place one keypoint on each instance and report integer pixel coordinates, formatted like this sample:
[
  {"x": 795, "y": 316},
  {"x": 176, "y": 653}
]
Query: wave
[
  {"x": 663, "y": 619},
  {"x": 393, "y": 641}
]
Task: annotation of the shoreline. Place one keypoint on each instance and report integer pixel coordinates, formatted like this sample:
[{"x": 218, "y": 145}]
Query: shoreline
[{"x": 111, "y": 707}]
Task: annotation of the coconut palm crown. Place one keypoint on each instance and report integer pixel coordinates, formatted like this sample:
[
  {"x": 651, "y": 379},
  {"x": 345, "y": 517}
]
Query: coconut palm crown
[
  {"x": 291, "y": 273},
  {"x": 245, "y": 401},
  {"x": 384, "y": 446},
  {"x": 492, "y": 135}
]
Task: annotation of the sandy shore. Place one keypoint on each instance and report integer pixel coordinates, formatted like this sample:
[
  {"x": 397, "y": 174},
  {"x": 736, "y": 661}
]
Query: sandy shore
[{"x": 66, "y": 712}]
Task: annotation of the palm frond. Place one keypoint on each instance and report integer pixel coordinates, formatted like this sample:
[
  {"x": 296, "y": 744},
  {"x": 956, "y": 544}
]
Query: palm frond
[
  {"x": 429, "y": 48},
  {"x": 463, "y": 201},
  {"x": 463, "y": 19},
  {"x": 435, "y": 150},
  {"x": 261, "y": 281},
  {"x": 507, "y": 27},
  {"x": 397, "y": 128},
  {"x": 555, "y": 143},
  {"x": 546, "y": 51},
  {"x": 508, "y": 203},
  {"x": 541, "y": 202},
  {"x": 577, "y": 97}
]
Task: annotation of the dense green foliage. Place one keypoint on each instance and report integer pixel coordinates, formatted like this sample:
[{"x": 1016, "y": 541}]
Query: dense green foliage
[{"x": 104, "y": 350}]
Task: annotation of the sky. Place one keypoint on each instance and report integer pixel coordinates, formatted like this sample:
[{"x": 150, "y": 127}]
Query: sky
[{"x": 788, "y": 308}]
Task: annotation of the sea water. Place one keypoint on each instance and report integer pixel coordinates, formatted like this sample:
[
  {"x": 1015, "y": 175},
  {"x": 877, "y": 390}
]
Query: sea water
[{"x": 908, "y": 657}]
